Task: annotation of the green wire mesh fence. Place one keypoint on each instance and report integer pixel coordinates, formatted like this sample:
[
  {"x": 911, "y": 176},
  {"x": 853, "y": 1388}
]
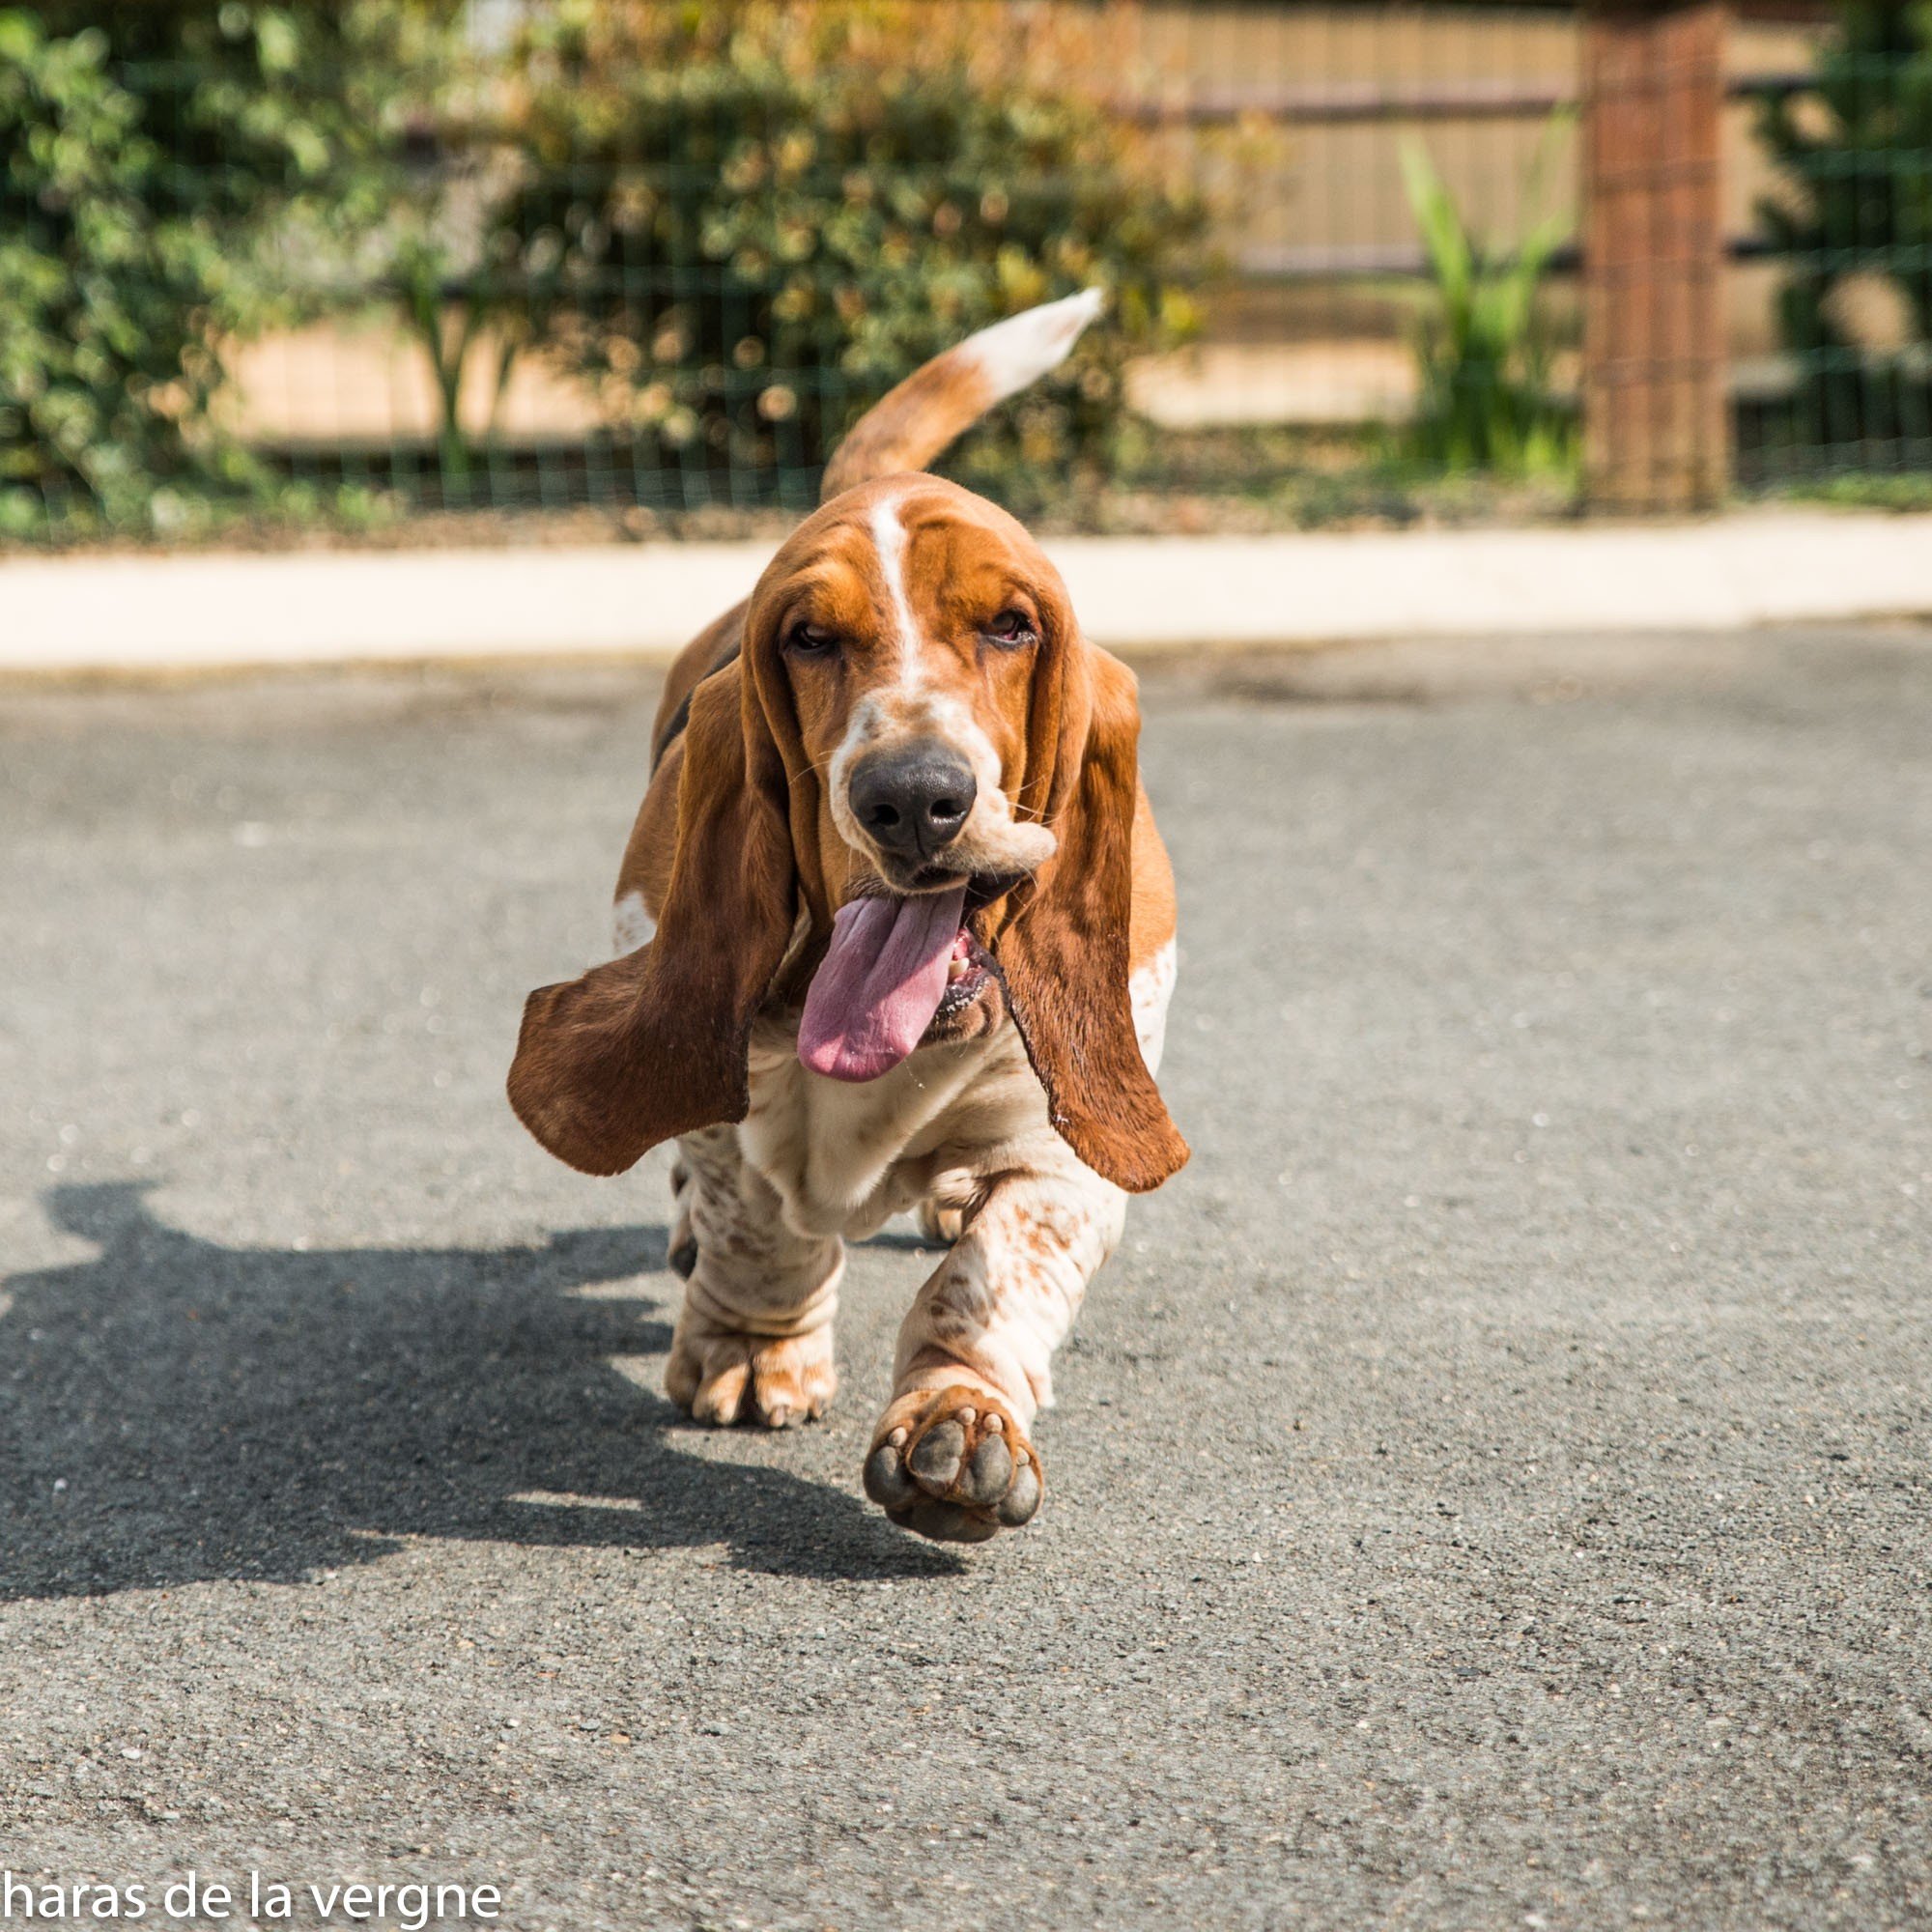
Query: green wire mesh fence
[
  {"x": 1846, "y": 226},
  {"x": 408, "y": 264}
]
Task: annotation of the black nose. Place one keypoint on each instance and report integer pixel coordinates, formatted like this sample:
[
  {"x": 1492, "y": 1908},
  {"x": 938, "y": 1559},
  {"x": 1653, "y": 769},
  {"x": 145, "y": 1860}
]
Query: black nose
[{"x": 913, "y": 802}]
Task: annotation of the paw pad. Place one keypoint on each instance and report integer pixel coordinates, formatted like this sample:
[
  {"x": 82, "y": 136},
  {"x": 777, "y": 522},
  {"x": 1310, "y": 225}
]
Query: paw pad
[{"x": 954, "y": 1468}]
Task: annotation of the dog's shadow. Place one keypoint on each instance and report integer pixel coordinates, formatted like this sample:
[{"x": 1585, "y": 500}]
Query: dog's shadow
[{"x": 175, "y": 1411}]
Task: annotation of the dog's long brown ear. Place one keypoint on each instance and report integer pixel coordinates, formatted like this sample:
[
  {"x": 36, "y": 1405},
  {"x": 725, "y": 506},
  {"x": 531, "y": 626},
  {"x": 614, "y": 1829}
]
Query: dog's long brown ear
[
  {"x": 1062, "y": 951},
  {"x": 654, "y": 1044}
]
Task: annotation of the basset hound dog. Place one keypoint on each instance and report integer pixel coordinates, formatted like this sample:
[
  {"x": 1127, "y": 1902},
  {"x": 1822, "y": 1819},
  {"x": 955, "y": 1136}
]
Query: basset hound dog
[{"x": 897, "y": 934}]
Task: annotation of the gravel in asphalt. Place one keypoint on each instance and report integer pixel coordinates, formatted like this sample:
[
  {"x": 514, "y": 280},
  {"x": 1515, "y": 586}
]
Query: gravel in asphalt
[{"x": 1488, "y": 1487}]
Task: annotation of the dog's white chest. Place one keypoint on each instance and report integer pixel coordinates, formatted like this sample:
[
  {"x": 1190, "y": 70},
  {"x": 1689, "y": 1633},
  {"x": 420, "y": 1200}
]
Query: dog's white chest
[{"x": 844, "y": 1157}]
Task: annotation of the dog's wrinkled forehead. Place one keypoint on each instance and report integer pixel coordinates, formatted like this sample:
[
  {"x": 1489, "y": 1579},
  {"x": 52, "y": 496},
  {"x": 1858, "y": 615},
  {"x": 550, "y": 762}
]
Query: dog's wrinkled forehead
[
  {"x": 910, "y": 605},
  {"x": 907, "y": 562}
]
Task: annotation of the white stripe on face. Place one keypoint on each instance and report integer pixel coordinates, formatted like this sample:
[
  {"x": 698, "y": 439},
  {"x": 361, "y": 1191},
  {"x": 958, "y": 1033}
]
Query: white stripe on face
[
  {"x": 889, "y": 536},
  {"x": 911, "y": 704}
]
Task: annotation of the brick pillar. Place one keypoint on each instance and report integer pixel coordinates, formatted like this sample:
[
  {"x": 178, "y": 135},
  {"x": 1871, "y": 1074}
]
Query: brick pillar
[{"x": 1656, "y": 414}]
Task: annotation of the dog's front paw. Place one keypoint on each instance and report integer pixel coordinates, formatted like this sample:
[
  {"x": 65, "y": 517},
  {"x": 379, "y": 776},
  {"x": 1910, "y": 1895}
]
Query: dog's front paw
[
  {"x": 953, "y": 1465},
  {"x": 725, "y": 1376}
]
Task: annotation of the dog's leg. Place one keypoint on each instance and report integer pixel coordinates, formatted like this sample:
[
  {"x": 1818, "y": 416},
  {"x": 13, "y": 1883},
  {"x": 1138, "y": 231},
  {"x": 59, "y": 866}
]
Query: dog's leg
[
  {"x": 753, "y": 1338},
  {"x": 951, "y": 1457}
]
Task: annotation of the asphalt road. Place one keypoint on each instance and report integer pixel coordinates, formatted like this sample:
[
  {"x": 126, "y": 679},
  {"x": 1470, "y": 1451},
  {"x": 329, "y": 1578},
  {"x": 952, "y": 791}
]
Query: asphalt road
[{"x": 1489, "y": 1488}]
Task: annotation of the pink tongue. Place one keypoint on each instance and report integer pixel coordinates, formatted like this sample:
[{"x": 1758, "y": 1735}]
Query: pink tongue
[{"x": 883, "y": 977}]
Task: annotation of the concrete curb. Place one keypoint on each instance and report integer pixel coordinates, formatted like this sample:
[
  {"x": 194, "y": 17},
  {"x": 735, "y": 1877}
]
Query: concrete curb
[{"x": 207, "y": 610}]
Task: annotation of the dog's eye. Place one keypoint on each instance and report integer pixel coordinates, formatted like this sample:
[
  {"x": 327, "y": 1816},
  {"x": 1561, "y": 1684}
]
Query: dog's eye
[
  {"x": 1012, "y": 628},
  {"x": 811, "y": 640}
]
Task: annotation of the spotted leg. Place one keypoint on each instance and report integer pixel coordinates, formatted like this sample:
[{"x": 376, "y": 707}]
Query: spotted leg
[
  {"x": 753, "y": 1338},
  {"x": 952, "y": 1458}
]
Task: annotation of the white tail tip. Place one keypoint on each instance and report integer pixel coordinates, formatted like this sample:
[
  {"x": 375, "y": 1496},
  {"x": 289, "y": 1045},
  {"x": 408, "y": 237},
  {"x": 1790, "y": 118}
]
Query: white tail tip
[{"x": 1022, "y": 349}]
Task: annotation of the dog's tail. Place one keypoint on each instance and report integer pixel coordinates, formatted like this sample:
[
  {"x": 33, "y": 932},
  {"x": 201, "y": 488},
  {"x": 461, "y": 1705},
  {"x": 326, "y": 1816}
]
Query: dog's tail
[{"x": 906, "y": 428}]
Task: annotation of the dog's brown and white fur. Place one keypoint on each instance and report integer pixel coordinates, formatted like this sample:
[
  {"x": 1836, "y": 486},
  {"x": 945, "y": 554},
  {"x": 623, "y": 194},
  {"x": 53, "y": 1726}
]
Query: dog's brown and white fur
[{"x": 906, "y": 611}]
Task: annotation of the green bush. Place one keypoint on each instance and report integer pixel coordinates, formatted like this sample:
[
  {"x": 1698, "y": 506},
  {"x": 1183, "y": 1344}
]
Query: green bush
[
  {"x": 738, "y": 222},
  {"x": 743, "y": 222},
  {"x": 1856, "y": 200},
  {"x": 103, "y": 336},
  {"x": 157, "y": 177}
]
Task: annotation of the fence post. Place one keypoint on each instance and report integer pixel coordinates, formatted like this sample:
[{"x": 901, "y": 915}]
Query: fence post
[{"x": 1655, "y": 414}]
